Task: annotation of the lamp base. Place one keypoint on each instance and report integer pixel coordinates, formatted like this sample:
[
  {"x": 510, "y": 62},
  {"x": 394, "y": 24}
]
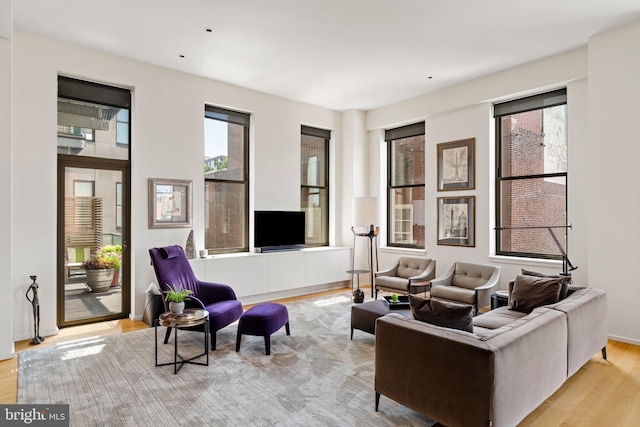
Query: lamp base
[{"x": 358, "y": 296}]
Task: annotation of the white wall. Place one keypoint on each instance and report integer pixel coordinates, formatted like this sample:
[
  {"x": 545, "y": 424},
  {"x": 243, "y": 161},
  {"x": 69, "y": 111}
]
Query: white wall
[
  {"x": 6, "y": 287},
  {"x": 465, "y": 111},
  {"x": 603, "y": 90},
  {"x": 167, "y": 142},
  {"x": 613, "y": 179}
]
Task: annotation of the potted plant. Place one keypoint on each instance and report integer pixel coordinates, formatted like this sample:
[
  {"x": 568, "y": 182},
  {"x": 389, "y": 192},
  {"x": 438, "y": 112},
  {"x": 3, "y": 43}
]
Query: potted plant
[
  {"x": 113, "y": 252},
  {"x": 177, "y": 295},
  {"x": 99, "y": 272}
]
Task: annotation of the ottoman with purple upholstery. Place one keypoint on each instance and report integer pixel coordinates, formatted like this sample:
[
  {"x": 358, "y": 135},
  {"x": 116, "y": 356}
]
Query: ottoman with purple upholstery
[{"x": 263, "y": 320}]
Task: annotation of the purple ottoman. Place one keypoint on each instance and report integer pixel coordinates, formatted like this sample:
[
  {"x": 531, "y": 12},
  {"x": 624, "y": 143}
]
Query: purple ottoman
[{"x": 263, "y": 320}]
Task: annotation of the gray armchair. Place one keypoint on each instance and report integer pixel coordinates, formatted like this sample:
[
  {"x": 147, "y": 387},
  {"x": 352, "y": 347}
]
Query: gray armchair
[
  {"x": 466, "y": 283},
  {"x": 408, "y": 276}
]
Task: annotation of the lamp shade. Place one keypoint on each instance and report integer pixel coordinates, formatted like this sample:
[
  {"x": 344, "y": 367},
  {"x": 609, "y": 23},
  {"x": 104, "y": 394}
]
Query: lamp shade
[{"x": 365, "y": 211}]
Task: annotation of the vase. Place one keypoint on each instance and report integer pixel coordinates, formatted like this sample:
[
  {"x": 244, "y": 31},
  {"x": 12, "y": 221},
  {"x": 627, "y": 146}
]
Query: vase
[
  {"x": 99, "y": 280},
  {"x": 176, "y": 307}
]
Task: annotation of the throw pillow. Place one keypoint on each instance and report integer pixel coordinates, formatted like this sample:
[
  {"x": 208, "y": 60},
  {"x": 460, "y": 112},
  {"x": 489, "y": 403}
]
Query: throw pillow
[
  {"x": 566, "y": 281},
  {"x": 530, "y": 292},
  {"x": 441, "y": 313}
]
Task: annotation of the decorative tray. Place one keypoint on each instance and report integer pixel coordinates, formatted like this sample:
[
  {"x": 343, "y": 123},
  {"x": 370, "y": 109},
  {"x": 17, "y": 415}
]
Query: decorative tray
[{"x": 402, "y": 303}]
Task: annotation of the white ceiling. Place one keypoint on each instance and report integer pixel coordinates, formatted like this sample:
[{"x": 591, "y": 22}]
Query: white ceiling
[{"x": 339, "y": 54}]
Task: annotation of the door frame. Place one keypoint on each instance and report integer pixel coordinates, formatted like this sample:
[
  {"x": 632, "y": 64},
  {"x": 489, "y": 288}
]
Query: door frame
[{"x": 67, "y": 161}]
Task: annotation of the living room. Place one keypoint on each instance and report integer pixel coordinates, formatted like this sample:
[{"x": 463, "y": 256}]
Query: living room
[{"x": 602, "y": 84}]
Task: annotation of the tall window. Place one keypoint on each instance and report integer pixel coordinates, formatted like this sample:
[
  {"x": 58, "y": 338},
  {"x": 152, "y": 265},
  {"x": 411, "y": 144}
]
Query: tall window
[
  {"x": 405, "y": 205},
  {"x": 314, "y": 183},
  {"x": 531, "y": 176},
  {"x": 226, "y": 180}
]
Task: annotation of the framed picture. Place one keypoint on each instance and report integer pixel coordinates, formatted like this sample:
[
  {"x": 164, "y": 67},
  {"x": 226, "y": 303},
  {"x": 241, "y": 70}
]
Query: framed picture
[
  {"x": 169, "y": 203},
  {"x": 456, "y": 221},
  {"x": 456, "y": 165}
]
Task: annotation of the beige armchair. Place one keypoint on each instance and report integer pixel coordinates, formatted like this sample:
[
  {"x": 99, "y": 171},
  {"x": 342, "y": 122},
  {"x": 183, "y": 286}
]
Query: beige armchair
[
  {"x": 408, "y": 276},
  {"x": 466, "y": 283}
]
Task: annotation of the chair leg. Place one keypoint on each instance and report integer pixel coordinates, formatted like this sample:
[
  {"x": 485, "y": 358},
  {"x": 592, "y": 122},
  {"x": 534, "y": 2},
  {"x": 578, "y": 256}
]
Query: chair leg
[
  {"x": 286, "y": 328},
  {"x": 604, "y": 352},
  {"x": 377, "y": 400},
  {"x": 166, "y": 335},
  {"x": 267, "y": 344},
  {"x": 238, "y": 341},
  {"x": 213, "y": 340}
]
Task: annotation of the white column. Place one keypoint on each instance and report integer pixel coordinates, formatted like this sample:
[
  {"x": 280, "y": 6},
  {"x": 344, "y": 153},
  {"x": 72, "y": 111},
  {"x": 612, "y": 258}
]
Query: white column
[
  {"x": 614, "y": 183},
  {"x": 6, "y": 287}
]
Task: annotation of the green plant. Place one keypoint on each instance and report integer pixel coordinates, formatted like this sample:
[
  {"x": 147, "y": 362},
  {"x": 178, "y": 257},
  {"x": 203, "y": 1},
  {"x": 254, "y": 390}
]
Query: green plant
[
  {"x": 177, "y": 294},
  {"x": 112, "y": 253},
  {"x": 98, "y": 262}
]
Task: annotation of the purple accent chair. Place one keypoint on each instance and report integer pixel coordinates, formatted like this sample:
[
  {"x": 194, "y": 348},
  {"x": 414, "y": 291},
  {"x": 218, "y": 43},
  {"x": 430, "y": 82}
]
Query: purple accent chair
[{"x": 172, "y": 267}]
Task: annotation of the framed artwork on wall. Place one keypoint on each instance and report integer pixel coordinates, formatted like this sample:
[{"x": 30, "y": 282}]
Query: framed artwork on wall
[
  {"x": 456, "y": 165},
  {"x": 169, "y": 203},
  {"x": 456, "y": 221}
]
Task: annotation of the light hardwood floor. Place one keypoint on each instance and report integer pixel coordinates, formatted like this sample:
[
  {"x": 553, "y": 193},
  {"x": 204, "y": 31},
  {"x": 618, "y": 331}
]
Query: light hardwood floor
[{"x": 601, "y": 393}]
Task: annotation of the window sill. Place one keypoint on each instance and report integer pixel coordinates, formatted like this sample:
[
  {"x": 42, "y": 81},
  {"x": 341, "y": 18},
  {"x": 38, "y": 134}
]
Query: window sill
[
  {"x": 534, "y": 262},
  {"x": 407, "y": 251}
]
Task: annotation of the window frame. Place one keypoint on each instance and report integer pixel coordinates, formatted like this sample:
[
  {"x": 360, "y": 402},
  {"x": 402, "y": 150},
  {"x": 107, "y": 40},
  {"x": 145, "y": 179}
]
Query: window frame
[
  {"x": 244, "y": 119},
  {"x": 326, "y": 135},
  {"x": 522, "y": 105},
  {"x": 392, "y": 135}
]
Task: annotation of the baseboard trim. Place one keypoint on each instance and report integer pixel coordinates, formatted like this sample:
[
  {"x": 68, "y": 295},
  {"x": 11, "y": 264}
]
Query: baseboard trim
[
  {"x": 290, "y": 293},
  {"x": 624, "y": 340}
]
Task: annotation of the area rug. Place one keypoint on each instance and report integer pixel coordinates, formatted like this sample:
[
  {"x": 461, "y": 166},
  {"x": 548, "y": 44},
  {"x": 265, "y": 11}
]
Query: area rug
[{"x": 316, "y": 376}]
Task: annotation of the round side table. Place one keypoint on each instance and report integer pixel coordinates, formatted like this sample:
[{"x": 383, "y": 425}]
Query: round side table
[{"x": 188, "y": 318}]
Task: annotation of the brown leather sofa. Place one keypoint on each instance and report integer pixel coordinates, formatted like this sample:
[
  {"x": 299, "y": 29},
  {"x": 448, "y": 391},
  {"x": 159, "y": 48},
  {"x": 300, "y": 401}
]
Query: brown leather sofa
[{"x": 496, "y": 375}]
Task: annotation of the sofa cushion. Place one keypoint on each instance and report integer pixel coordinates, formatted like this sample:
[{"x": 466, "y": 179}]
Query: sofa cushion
[
  {"x": 566, "y": 281},
  {"x": 399, "y": 283},
  {"x": 440, "y": 313},
  {"x": 530, "y": 292},
  {"x": 409, "y": 267},
  {"x": 496, "y": 318}
]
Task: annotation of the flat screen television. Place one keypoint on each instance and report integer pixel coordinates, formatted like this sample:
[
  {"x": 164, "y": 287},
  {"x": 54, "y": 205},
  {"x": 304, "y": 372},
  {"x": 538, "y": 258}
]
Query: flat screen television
[{"x": 278, "y": 230}]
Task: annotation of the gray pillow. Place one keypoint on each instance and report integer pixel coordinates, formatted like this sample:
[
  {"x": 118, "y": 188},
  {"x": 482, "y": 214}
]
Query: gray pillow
[
  {"x": 530, "y": 292},
  {"x": 566, "y": 281},
  {"x": 441, "y": 313}
]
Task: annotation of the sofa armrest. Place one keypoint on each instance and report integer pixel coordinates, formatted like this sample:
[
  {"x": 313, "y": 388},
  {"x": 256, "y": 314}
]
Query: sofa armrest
[
  {"x": 586, "y": 312},
  {"x": 389, "y": 271},
  {"x": 483, "y": 293},
  {"x": 445, "y": 279},
  {"x": 210, "y": 292},
  {"x": 428, "y": 274}
]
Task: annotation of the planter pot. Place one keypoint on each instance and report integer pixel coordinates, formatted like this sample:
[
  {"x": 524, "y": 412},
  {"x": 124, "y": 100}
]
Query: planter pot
[
  {"x": 99, "y": 280},
  {"x": 116, "y": 278},
  {"x": 176, "y": 307}
]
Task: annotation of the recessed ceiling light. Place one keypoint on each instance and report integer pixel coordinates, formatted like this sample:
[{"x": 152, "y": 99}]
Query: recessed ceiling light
[
  {"x": 180, "y": 55},
  {"x": 429, "y": 77},
  {"x": 209, "y": 30}
]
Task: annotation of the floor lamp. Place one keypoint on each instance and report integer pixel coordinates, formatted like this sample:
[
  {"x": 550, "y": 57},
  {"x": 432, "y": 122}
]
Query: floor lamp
[{"x": 365, "y": 216}]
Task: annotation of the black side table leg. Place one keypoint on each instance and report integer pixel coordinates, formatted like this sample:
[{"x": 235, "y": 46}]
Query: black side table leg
[{"x": 175, "y": 352}]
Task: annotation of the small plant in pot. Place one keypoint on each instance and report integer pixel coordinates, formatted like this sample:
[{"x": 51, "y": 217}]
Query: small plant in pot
[
  {"x": 114, "y": 253},
  {"x": 99, "y": 272},
  {"x": 177, "y": 295}
]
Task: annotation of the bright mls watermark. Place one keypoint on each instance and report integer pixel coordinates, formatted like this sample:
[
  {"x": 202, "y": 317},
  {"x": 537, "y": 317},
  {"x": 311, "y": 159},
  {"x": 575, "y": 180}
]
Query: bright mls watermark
[{"x": 34, "y": 415}]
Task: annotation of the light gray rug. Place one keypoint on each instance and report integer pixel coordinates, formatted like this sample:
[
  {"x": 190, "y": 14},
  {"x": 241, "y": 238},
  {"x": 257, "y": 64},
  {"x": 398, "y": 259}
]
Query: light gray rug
[{"x": 315, "y": 377}]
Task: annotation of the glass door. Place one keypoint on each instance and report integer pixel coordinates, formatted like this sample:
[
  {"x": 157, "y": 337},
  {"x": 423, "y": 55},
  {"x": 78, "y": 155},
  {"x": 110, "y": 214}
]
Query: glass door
[
  {"x": 93, "y": 143},
  {"x": 94, "y": 255}
]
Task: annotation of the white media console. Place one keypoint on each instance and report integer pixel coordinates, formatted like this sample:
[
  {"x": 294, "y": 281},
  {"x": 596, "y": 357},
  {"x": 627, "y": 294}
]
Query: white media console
[{"x": 258, "y": 277}]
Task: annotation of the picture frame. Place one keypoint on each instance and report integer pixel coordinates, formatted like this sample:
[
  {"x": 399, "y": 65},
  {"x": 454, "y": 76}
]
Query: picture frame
[
  {"x": 456, "y": 221},
  {"x": 169, "y": 203},
  {"x": 456, "y": 165}
]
